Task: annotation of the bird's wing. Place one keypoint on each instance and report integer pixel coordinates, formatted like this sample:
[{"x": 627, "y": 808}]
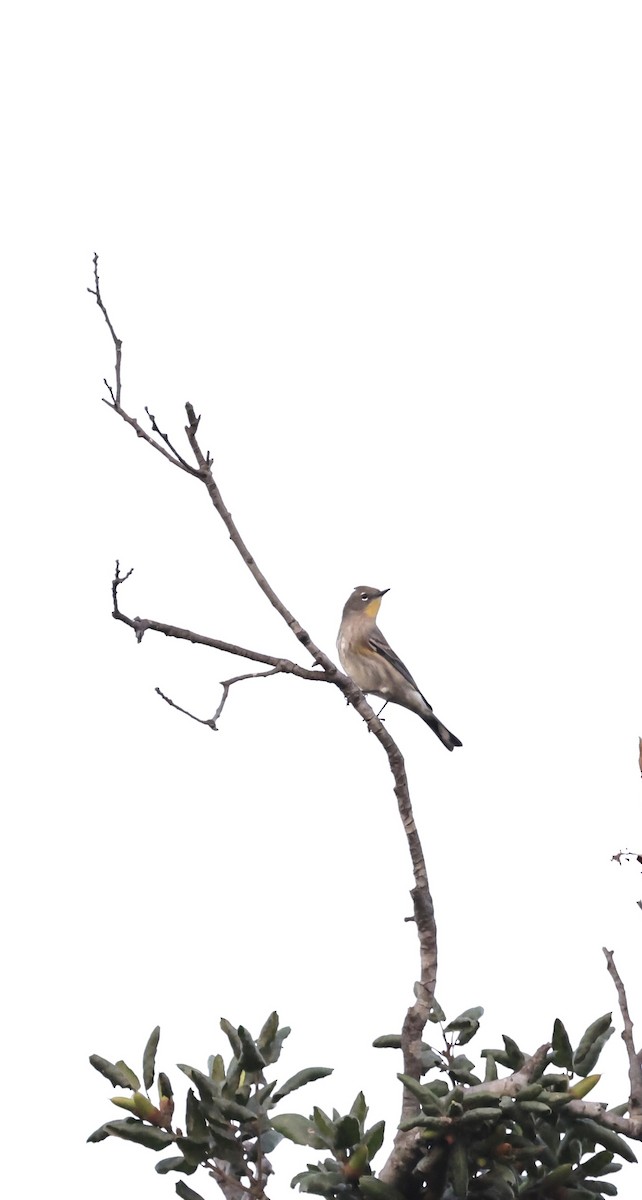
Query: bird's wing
[{"x": 378, "y": 644}]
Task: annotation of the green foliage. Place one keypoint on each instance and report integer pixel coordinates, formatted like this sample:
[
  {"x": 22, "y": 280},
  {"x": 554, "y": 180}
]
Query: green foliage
[
  {"x": 351, "y": 1143},
  {"x": 149, "y": 1058},
  {"x": 522, "y": 1134},
  {"x": 227, "y": 1110}
]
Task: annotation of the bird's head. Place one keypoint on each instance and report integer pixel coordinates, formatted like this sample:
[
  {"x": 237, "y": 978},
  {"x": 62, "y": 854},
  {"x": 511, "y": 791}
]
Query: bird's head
[{"x": 365, "y": 600}]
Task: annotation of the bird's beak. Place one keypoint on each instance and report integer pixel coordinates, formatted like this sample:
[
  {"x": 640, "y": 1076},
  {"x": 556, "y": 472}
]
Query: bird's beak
[{"x": 383, "y": 592}]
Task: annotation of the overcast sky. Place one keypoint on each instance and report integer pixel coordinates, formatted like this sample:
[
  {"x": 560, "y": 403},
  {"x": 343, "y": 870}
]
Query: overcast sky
[{"x": 392, "y": 253}]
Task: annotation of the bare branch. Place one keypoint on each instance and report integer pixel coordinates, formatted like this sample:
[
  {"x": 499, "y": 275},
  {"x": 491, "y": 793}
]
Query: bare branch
[
  {"x": 629, "y": 855},
  {"x": 95, "y": 291},
  {"x": 116, "y": 398},
  {"x": 231, "y": 1187},
  {"x": 167, "y": 442},
  {"x": 140, "y": 625},
  {"x": 226, "y": 684},
  {"x": 635, "y": 1070},
  {"x": 172, "y": 703},
  {"x": 205, "y": 473},
  {"x": 116, "y": 582},
  {"x": 630, "y": 1127},
  {"x": 417, "y": 1015}
]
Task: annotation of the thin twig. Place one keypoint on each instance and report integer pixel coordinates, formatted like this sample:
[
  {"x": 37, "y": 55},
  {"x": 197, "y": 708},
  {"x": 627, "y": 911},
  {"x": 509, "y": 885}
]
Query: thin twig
[
  {"x": 116, "y": 583},
  {"x": 167, "y": 442},
  {"x": 140, "y": 625},
  {"x": 226, "y": 684},
  {"x": 630, "y": 855},
  {"x": 635, "y": 1070},
  {"x": 116, "y": 340},
  {"x": 172, "y": 703},
  {"x": 231, "y": 1187},
  {"x": 115, "y": 402}
]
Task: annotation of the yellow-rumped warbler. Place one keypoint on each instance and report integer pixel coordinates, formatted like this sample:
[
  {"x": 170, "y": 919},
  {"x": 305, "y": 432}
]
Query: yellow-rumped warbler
[{"x": 366, "y": 656}]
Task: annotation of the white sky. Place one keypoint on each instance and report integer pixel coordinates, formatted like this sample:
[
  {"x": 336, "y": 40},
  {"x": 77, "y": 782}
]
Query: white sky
[{"x": 393, "y": 254}]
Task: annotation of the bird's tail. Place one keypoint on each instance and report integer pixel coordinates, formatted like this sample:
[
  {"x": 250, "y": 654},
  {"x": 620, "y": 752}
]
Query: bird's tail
[{"x": 449, "y": 740}]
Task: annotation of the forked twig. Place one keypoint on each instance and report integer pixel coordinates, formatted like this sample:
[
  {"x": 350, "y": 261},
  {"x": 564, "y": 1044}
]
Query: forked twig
[{"x": 226, "y": 684}]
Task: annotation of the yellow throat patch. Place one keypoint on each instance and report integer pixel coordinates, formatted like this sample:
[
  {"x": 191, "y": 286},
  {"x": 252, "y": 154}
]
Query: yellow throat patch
[{"x": 373, "y": 607}]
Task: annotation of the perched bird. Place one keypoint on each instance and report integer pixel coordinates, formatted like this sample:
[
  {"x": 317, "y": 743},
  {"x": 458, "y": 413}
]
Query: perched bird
[{"x": 366, "y": 656}]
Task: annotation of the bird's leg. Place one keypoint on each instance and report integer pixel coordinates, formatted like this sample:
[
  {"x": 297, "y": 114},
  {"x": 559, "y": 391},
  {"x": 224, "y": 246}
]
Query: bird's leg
[{"x": 382, "y": 708}]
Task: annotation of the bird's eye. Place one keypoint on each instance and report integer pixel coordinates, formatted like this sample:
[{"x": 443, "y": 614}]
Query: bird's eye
[{"x": 364, "y": 596}]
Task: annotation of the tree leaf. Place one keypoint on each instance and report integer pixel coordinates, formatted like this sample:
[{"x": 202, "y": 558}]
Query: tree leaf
[
  {"x": 216, "y": 1067},
  {"x": 590, "y": 1035},
  {"x": 232, "y": 1036},
  {"x": 388, "y": 1041},
  {"x": 207, "y": 1088},
  {"x": 269, "y": 1140},
  {"x": 195, "y": 1122},
  {"x": 436, "y": 1013},
  {"x": 429, "y": 1095},
  {"x": 458, "y": 1170},
  {"x": 136, "y": 1131},
  {"x": 460, "y": 1069},
  {"x": 268, "y": 1032},
  {"x": 126, "y": 1102},
  {"x": 234, "y": 1111},
  {"x": 515, "y": 1057},
  {"x": 272, "y": 1052},
  {"x": 584, "y": 1086},
  {"x": 373, "y": 1138},
  {"x": 187, "y": 1193},
  {"x": 149, "y": 1057},
  {"x": 250, "y": 1059},
  {"x": 420, "y": 1091},
  {"x": 467, "y": 1033},
  {"x": 262, "y": 1098},
  {"x": 562, "y": 1049},
  {"x": 499, "y": 1056},
  {"x": 479, "y": 1116},
  {"x": 431, "y": 1058},
  {"x": 297, "y": 1129},
  {"x": 491, "y": 1070},
  {"x": 324, "y": 1126},
  {"x": 620, "y": 1110},
  {"x": 132, "y": 1078},
  {"x": 99, "y": 1135},
  {"x": 359, "y": 1109},
  {"x": 118, "y": 1073},
  {"x": 195, "y": 1152},
  {"x": 307, "y": 1075},
  {"x": 469, "y": 1016},
  {"x": 347, "y": 1133},
  {"x": 607, "y": 1138},
  {"x": 321, "y": 1183},
  {"x": 585, "y": 1065},
  {"x": 176, "y": 1164},
  {"x": 594, "y": 1166}
]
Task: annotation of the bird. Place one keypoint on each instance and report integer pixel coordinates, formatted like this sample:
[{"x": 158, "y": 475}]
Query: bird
[{"x": 367, "y": 657}]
